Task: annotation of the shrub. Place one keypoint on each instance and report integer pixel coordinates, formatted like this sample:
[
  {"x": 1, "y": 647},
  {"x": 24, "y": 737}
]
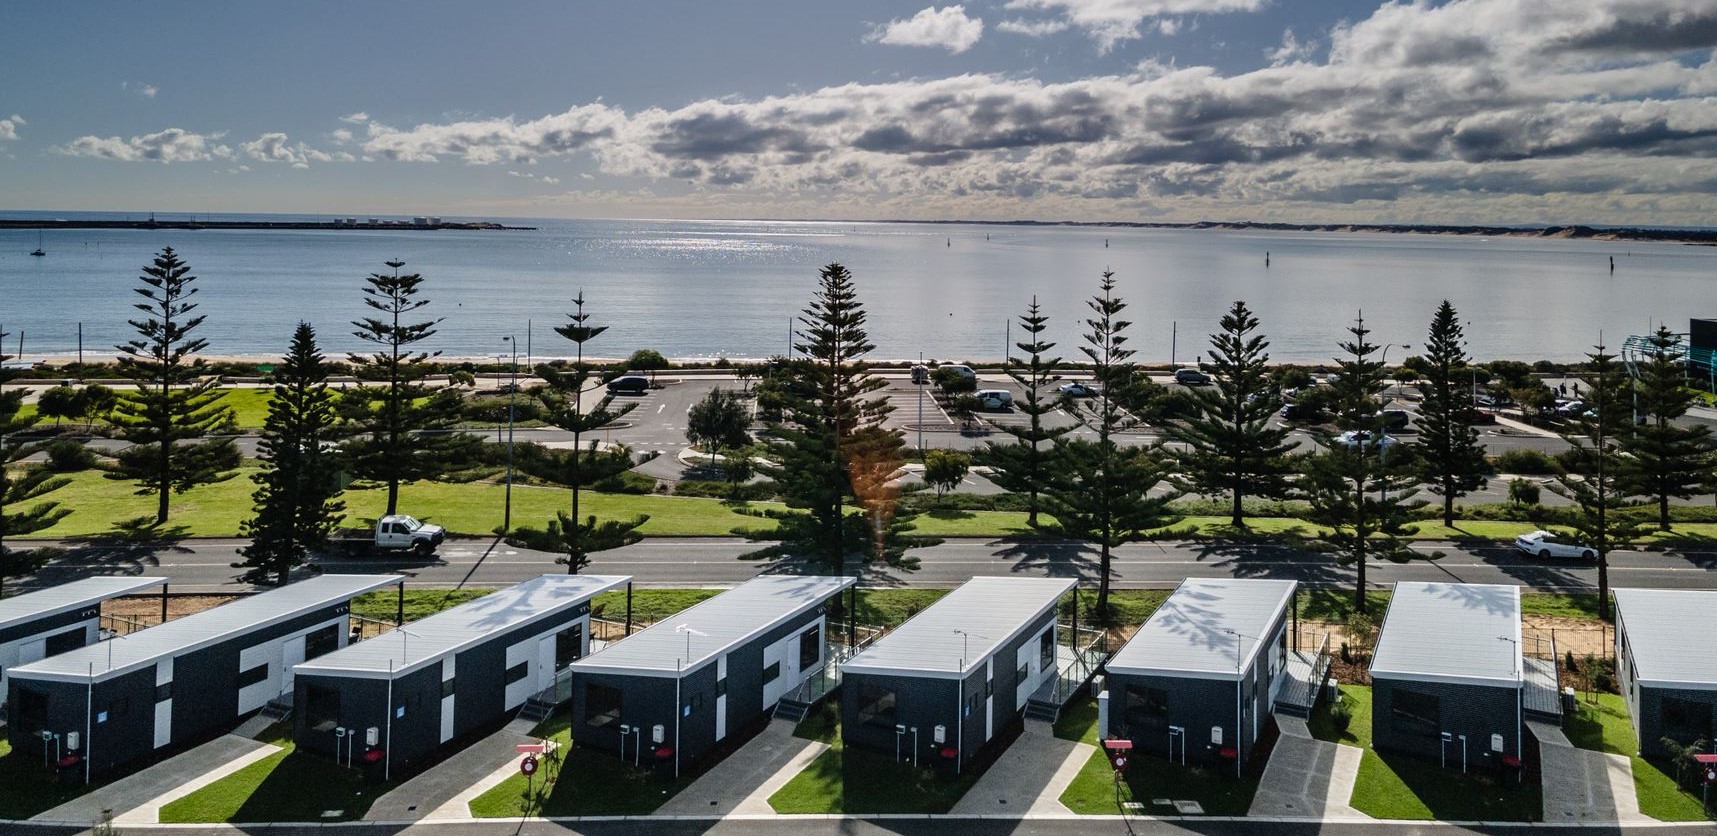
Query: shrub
[
  {"x": 1340, "y": 713},
  {"x": 1523, "y": 492},
  {"x": 1527, "y": 463},
  {"x": 66, "y": 456}
]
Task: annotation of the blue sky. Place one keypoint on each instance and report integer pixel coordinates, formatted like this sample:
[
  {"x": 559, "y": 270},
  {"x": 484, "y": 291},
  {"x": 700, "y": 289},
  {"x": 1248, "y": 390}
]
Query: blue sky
[{"x": 1474, "y": 110}]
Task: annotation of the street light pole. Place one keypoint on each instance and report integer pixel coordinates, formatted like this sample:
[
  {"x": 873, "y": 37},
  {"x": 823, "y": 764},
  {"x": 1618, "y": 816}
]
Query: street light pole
[
  {"x": 512, "y": 393},
  {"x": 1383, "y": 425}
]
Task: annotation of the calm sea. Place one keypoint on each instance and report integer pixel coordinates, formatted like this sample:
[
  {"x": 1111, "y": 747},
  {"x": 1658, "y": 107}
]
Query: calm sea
[{"x": 714, "y": 289}]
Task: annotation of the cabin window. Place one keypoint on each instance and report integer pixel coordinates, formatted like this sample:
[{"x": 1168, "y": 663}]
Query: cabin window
[
  {"x": 321, "y": 708},
  {"x": 877, "y": 707},
  {"x": 1414, "y": 714},
  {"x": 164, "y": 692},
  {"x": 568, "y": 646},
  {"x": 1046, "y": 649},
  {"x": 252, "y": 676},
  {"x": 518, "y": 672},
  {"x": 31, "y": 712},
  {"x": 601, "y": 705},
  {"x": 1147, "y": 709},
  {"x": 1685, "y": 720},
  {"x": 810, "y": 648},
  {"x": 1021, "y": 675},
  {"x": 447, "y": 689},
  {"x": 771, "y": 672},
  {"x": 321, "y": 641}
]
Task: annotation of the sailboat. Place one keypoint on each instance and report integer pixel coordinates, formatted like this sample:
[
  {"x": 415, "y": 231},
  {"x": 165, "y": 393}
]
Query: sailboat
[{"x": 38, "y": 252}]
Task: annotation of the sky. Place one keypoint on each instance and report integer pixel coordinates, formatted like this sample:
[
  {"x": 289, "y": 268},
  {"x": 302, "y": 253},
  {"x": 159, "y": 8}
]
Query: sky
[{"x": 1313, "y": 111}]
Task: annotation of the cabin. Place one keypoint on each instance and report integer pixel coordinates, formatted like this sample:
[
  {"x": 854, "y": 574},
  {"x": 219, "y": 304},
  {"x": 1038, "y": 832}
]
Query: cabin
[
  {"x": 447, "y": 677},
  {"x": 941, "y": 687},
  {"x": 666, "y": 696},
  {"x": 51, "y": 621},
  {"x": 107, "y": 706},
  {"x": 1200, "y": 680},
  {"x": 1450, "y": 678},
  {"x": 1665, "y": 665}
]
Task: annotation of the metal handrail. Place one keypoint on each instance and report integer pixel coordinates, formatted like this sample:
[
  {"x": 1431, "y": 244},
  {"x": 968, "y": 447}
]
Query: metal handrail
[{"x": 1086, "y": 660}]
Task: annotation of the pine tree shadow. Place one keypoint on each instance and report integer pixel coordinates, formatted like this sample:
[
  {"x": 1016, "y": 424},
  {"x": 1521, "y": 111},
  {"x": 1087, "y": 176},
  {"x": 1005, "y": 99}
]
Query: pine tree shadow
[
  {"x": 131, "y": 547},
  {"x": 1055, "y": 559}
]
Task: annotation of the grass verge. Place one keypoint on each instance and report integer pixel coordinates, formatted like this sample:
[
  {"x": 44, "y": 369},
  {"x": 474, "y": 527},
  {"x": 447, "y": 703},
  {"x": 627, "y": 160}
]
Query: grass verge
[
  {"x": 1604, "y": 727},
  {"x": 1392, "y": 786},
  {"x": 1094, "y": 792},
  {"x": 854, "y": 781},
  {"x": 286, "y": 786},
  {"x": 28, "y": 788},
  {"x": 584, "y": 782}
]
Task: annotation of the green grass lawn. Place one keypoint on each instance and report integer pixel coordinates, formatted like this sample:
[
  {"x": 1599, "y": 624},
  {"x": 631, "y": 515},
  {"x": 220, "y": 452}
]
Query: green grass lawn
[
  {"x": 1093, "y": 791},
  {"x": 843, "y": 780},
  {"x": 1604, "y": 727},
  {"x": 98, "y": 505},
  {"x": 584, "y": 783},
  {"x": 1392, "y": 786},
  {"x": 1337, "y": 604},
  {"x": 286, "y": 786},
  {"x": 27, "y": 788}
]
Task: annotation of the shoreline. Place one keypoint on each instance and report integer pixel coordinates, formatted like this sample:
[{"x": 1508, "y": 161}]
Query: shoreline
[
  {"x": 1566, "y": 232},
  {"x": 282, "y": 226}
]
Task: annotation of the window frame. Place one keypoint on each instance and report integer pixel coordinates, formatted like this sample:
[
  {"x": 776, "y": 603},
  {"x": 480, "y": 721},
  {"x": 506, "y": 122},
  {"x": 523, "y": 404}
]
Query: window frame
[{"x": 610, "y": 715}]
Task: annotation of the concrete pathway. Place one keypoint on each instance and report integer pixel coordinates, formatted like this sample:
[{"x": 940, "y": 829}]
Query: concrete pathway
[
  {"x": 1029, "y": 777},
  {"x": 743, "y": 781},
  {"x": 434, "y": 788},
  {"x": 1582, "y": 786},
  {"x": 1307, "y": 776},
  {"x": 138, "y": 798}
]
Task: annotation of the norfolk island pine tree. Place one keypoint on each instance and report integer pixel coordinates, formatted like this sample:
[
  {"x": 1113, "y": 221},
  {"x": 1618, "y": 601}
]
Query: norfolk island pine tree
[
  {"x": 1598, "y": 488},
  {"x": 1100, "y": 493},
  {"x": 20, "y": 490},
  {"x": 563, "y": 406},
  {"x": 296, "y": 504},
  {"x": 1364, "y": 501},
  {"x": 1024, "y": 464},
  {"x": 1452, "y": 458},
  {"x": 1664, "y": 459},
  {"x": 402, "y": 431},
  {"x": 174, "y": 402},
  {"x": 1230, "y": 446}
]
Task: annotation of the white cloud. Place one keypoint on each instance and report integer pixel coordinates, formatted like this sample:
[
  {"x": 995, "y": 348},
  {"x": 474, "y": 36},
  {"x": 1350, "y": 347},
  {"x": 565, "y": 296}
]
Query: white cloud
[
  {"x": 948, "y": 28},
  {"x": 341, "y": 136},
  {"x": 9, "y": 127},
  {"x": 276, "y": 147},
  {"x": 1033, "y": 28},
  {"x": 1109, "y": 22},
  {"x": 1291, "y": 50},
  {"x": 497, "y": 140},
  {"x": 173, "y": 145},
  {"x": 147, "y": 91},
  {"x": 356, "y": 118}
]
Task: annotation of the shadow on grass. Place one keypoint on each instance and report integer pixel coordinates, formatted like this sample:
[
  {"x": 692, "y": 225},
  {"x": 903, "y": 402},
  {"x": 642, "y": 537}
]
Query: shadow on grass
[
  {"x": 1447, "y": 794},
  {"x": 949, "y": 514},
  {"x": 27, "y": 787},
  {"x": 851, "y": 781},
  {"x": 593, "y": 783},
  {"x": 303, "y": 787}
]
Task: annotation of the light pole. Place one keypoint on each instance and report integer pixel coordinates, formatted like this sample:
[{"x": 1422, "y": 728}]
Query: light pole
[
  {"x": 1383, "y": 425},
  {"x": 1520, "y": 685},
  {"x": 1239, "y": 679},
  {"x": 1383, "y": 361},
  {"x": 512, "y": 392},
  {"x": 920, "y": 387}
]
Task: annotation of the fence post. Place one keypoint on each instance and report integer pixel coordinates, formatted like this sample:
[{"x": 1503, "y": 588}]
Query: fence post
[{"x": 163, "y": 603}]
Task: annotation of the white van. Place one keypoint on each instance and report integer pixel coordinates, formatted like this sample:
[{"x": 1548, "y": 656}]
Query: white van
[{"x": 995, "y": 400}]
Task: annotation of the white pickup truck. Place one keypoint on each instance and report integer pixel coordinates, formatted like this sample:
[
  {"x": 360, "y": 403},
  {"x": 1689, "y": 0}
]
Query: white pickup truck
[{"x": 396, "y": 532}]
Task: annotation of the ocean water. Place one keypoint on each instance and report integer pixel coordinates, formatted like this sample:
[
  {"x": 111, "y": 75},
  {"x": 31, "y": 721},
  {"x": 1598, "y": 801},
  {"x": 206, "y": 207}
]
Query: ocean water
[{"x": 731, "y": 289}]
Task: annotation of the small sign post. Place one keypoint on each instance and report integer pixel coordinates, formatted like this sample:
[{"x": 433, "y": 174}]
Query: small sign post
[
  {"x": 1119, "y": 750},
  {"x": 528, "y": 766}
]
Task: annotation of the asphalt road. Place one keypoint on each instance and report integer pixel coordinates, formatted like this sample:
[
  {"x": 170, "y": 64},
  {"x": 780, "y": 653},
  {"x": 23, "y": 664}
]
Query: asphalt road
[
  {"x": 905, "y": 826},
  {"x": 205, "y": 565}
]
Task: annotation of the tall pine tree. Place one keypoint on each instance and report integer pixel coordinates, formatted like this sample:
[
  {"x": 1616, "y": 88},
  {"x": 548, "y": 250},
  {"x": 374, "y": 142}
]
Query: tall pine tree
[
  {"x": 1665, "y": 459},
  {"x": 1453, "y": 460},
  {"x": 1362, "y": 493},
  {"x": 1230, "y": 446},
  {"x": 1597, "y": 484},
  {"x": 830, "y": 444},
  {"x": 576, "y": 534},
  {"x": 1025, "y": 463},
  {"x": 402, "y": 429},
  {"x": 21, "y": 489},
  {"x": 174, "y": 402},
  {"x": 1101, "y": 491},
  {"x": 297, "y": 501}
]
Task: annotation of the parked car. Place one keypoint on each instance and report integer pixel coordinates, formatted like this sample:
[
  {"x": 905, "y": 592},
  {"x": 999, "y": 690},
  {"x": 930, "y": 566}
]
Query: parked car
[
  {"x": 995, "y": 400},
  {"x": 962, "y": 369},
  {"x": 629, "y": 384},
  {"x": 1481, "y": 416},
  {"x": 1297, "y": 412},
  {"x": 1355, "y": 438},
  {"x": 1075, "y": 389},
  {"x": 1395, "y": 419},
  {"x": 1548, "y": 544},
  {"x": 1570, "y": 409},
  {"x": 920, "y": 374},
  {"x": 1191, "y": 377}
]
